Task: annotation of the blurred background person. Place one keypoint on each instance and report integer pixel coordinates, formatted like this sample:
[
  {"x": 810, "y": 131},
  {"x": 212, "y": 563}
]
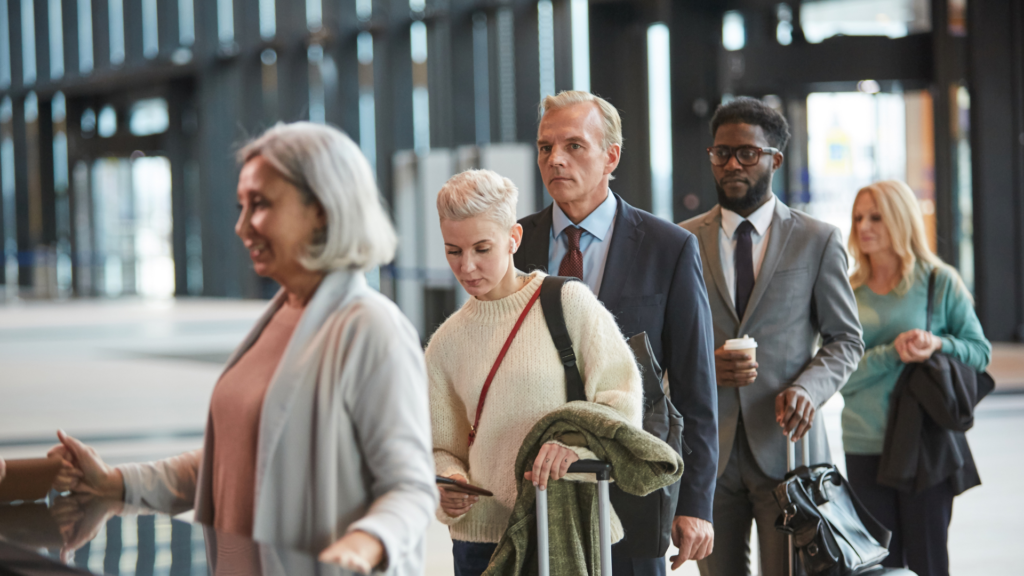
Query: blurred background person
[
  {"x": 893, "y": 263},
  {"x": 477, "y": 210},
  {"x": 327, "y": 393}
]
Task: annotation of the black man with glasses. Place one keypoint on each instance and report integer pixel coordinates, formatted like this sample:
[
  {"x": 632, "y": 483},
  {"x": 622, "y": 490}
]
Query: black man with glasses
[{"x": 779, "y": 276}]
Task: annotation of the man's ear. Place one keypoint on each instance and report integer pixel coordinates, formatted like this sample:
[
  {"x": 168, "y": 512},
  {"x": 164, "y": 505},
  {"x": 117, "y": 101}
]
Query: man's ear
[
  {"x": 613, "y": 154},
  {"x": 777, "y": 161}
]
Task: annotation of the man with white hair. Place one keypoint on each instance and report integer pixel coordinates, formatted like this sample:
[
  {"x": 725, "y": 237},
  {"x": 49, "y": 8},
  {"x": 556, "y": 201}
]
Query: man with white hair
[{"x": 648, "y": 273}]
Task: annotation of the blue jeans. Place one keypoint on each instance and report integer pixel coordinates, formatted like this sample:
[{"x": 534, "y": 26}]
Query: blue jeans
[{"x": 471, "y": 558}]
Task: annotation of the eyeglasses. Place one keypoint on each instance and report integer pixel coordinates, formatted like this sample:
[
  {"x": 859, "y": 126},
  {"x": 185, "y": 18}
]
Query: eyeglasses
[{"x": 745, "y": 155}]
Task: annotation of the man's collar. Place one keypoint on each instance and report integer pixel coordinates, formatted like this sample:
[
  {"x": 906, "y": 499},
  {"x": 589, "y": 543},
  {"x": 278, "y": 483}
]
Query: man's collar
[
  {"x": 598, "y": 223},
  {"x": 760, "y": 218}
]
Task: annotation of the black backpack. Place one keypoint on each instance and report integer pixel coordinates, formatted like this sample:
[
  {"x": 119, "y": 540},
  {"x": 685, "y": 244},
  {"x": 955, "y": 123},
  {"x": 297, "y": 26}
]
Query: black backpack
[{"x": 648, "y": 519}]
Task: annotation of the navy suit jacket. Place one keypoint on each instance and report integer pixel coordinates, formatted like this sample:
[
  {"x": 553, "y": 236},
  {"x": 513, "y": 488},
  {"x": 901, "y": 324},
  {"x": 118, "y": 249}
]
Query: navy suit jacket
[{"x": 654, "y": 282}]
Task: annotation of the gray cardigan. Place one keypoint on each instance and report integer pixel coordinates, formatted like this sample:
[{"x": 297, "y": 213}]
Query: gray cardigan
[{"x": 344, "y": 438}]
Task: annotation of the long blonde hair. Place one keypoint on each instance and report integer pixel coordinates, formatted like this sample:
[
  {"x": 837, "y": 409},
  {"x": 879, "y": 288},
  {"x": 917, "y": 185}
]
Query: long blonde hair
[{"x": 901, "y": 215}]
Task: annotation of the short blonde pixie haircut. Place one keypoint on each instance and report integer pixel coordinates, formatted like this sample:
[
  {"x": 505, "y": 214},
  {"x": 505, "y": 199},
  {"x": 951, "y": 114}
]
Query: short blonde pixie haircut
[
  {"x": 612, "y": 123},
  {"x": 328, "y": 168},
  {"x": 901, "y": 215},
  {"x": 479, "y": 193}
]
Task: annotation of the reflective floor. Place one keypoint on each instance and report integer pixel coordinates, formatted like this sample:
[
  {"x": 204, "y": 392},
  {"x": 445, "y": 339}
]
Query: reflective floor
[{"x": 133, "y": 378}]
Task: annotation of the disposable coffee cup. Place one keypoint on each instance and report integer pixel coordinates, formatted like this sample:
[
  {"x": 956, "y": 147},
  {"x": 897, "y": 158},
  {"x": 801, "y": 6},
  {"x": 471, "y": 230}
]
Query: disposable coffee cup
[{"x": 746, "y": 345}]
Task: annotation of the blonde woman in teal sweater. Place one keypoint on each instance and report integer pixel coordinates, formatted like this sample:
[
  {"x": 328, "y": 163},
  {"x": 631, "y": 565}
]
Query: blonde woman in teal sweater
[{"x": 890, "y": 280}]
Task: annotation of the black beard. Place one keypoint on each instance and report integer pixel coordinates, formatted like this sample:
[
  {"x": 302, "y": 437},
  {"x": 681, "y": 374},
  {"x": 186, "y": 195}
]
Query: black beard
[{"x": 755, "y": 195}]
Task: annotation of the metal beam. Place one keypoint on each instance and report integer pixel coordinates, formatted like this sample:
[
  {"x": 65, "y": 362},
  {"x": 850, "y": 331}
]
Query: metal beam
[{"x": 769, "y": 68}]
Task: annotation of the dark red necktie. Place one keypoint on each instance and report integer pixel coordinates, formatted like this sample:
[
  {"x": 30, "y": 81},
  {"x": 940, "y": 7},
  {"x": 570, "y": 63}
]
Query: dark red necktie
[{"x": 572, "y": 262}]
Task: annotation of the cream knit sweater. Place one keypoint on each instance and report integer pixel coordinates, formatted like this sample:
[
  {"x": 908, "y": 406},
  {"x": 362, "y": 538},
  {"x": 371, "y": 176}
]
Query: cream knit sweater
[{"x": 529, "y": 384}]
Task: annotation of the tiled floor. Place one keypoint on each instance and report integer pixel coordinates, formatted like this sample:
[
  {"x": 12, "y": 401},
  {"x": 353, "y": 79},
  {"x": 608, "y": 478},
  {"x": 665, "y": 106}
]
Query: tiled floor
[{"x": 134, "y": 377}]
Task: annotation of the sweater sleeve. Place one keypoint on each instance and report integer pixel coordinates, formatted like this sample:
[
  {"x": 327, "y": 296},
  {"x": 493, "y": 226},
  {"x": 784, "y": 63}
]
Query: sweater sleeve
[
  {"x": 963, "y": 337},
  {"x": 609, "y": 370},
  {"x": 167, "y": 485},
  {"x": 877, "y": 363},
  {"x": 395, "y": 447},
  {"x": 448, "y": 423}
]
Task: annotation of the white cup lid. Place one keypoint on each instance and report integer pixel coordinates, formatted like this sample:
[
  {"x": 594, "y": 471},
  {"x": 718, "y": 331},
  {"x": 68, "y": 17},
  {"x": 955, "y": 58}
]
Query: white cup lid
[{"x": 744, "y": 343}]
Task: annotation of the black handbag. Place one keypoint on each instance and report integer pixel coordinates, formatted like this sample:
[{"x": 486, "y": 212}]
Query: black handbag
[
  {"x": 833, "y": 533},
  {"x": 648, "y": 518}
]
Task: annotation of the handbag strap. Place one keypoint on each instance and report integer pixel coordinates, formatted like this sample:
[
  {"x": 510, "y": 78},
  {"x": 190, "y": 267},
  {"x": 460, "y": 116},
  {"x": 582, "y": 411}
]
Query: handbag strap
[
  {"x": 494, "y": 369},
  {"x": 931, "y": 298},
  {"x": 874, "y": 527},
  {"x": 551, "y": 304}
]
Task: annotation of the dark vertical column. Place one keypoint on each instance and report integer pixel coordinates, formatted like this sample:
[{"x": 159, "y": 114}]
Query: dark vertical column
[
  {"x": 100, "y": 35},
  {"x": 42, "y": 21},
  {"x": 22, "y": 196},
  {"x": 440, "y": 75},
  {"x": 181, "y": 549},
  {"x": 619, "y": 74},
  {"x": 995, "y": 32},
  {"x": 461, "y": 74},
  {"x": 47, "y": 193},
  {"x": 168, "y": 33},
  {"x": 175, "y": 144},
  {"x": 226, "y": 268},
  {"x": 694, "y": 37},
  {"x": 292, "y": 61},
  {"x": 527, "y": 73},
  {"x": 563, "y": 44},
  {"x": 70, "y": 29},
  {"x": 392, "y": 73},
  {"x": 341, "y": 56},
  {"x": 133, "y": 55},
  {"x": 14, "y": 25},
  {"x": 946, "y": 75}
]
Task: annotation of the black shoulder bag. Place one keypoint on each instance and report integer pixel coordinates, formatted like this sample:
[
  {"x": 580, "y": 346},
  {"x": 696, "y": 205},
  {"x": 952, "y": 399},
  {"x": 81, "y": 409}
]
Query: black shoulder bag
[{"x": 654, "y": 512}]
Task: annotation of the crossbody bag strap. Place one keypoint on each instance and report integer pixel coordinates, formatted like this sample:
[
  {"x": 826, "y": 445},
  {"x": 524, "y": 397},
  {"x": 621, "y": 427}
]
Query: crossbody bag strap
[
  {"x": 931, "y": 298},
  {"x": 497, "y": 363},
  {"x": 551, "y": 303}
]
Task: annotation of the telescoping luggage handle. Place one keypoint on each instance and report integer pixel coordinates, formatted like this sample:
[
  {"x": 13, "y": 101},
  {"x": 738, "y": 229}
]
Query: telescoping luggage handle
[
  {"x": 805, "y": 446},
  {"x": 603, "y": 472}
]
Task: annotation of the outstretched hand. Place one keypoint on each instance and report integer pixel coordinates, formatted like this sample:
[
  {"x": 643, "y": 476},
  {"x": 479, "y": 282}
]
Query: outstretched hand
[
  {"x": 84, "y": 471},
  {"x": 357, "y": 551}
]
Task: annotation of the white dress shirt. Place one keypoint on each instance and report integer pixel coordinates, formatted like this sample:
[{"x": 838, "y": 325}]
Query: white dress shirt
[{"x": 761, "y": 219}]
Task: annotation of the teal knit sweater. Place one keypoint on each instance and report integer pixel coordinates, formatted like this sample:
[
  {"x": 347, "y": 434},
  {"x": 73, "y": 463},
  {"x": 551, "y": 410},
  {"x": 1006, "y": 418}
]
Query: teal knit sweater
[{"x": 883, "y": 319}]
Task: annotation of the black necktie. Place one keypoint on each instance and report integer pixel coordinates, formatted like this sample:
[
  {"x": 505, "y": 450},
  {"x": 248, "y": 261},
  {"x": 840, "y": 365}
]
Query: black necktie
[{"x": 744, "y": 260}]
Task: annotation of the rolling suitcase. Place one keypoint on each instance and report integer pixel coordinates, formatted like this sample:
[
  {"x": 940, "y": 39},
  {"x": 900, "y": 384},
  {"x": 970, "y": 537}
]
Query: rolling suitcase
[
  {"x": 791, "y": 557},
  {"x": 604, "y": 507}
]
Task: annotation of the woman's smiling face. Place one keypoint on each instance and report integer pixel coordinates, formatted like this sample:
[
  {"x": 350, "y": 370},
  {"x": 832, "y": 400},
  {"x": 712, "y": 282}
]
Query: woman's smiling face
[{"x": 275, "y": 224}]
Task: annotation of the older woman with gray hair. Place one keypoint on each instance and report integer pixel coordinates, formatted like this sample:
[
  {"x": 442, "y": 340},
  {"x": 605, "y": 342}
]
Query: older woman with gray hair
[
  {"x": 478, "y": 429},
  {"x": 318, "y": 432}
]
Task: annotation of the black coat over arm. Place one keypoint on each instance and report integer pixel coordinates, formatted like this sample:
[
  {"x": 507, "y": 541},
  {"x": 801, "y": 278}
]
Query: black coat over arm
[{"x": 653, "y": 282}]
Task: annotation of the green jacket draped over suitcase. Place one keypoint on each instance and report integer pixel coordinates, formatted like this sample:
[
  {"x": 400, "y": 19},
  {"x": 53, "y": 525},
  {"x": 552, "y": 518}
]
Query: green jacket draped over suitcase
[{"x": 640, "y": 464}]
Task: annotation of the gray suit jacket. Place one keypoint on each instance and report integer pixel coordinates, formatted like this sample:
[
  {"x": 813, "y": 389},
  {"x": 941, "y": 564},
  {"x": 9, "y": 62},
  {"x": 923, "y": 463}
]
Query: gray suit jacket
[{"x": 802, "y": 292}]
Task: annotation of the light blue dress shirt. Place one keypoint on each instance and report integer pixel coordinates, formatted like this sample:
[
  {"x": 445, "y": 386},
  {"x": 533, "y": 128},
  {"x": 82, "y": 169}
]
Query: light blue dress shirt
[{"x": 594, "y": 241}]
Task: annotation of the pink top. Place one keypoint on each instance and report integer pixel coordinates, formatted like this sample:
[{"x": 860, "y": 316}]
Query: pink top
[{"x": 235, "y": 410}]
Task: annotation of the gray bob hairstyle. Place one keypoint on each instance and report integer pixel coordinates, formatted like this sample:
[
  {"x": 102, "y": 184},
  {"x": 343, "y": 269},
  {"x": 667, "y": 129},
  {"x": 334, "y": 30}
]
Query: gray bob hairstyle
[
  {"x": 478, "y": 193},
  {"x": 328, "y": 168}
]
